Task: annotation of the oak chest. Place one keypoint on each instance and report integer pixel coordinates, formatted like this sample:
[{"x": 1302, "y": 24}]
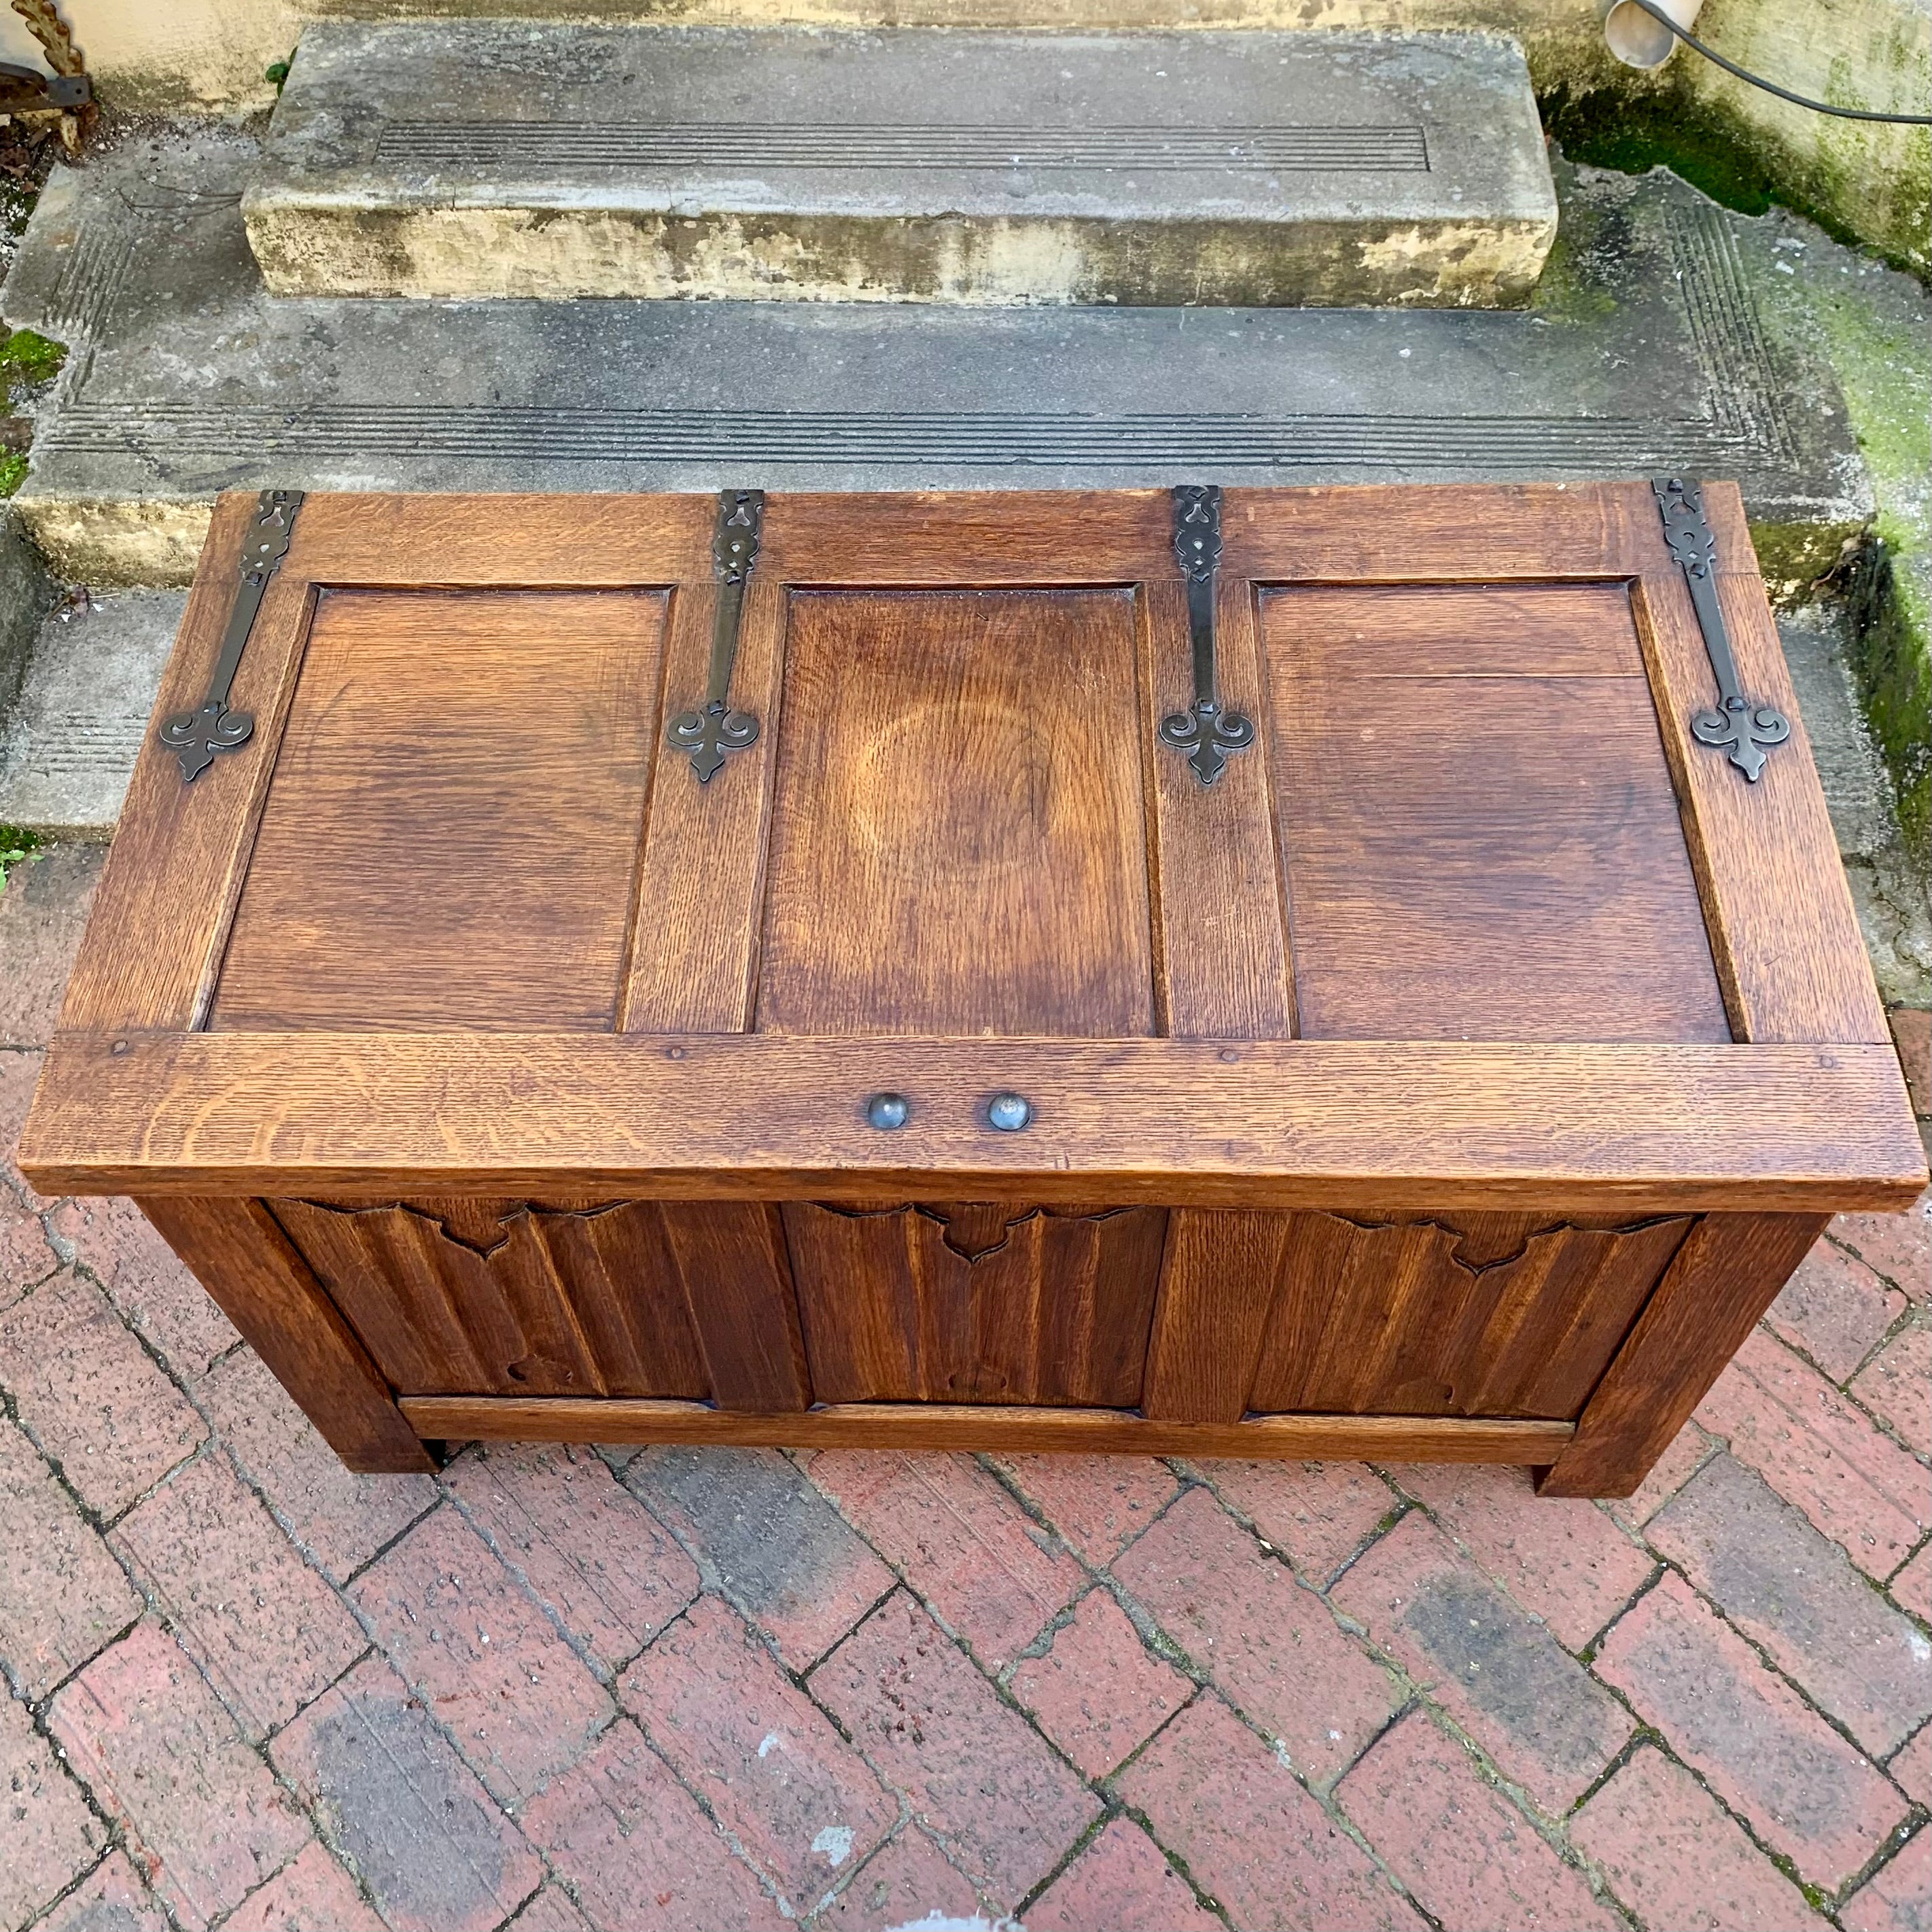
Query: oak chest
[{"x": 1336, "y": 973}]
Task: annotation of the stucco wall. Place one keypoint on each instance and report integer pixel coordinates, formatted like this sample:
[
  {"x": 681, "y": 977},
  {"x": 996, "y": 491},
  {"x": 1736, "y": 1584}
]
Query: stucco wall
[{"x": 1874, "y": 182}]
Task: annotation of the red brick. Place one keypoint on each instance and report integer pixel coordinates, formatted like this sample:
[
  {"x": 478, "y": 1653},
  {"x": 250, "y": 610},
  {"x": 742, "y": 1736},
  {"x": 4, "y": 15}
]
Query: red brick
[
  {"x": 1269, "y": 1645},
  {"x": 1897, "y": 1387},
  {"x": 581, "y": 1543},
  {"x": 1496, "y": 1671},
  {"x": 266, "y": 1630},
  {"x": 782, "y": 1554},
  {"x": 1099, "y": 1692},
  {"x": 550, "y": 1911},
  {"x": 313, "y": 1894},
  {"x": 1252, "y": 1836},
  {"x": 90, "y": 1396},
  {"x": 1804, "y": 1790},
  {"x": 116, "y": 1243},
  {"x": 1669, "y": 1474},
  {"x": 959, "y": 1540},
  {"x": 907, "y": 1881},
  {"x": 795, "y": 1797},
  {"x": 113, "y": 1900},
  {"x": 25, "y": 1256},
  {"x": 43, "y": 912},
  {"x": 20, "y": 1073},
  {"x": 402, "y": 1809},
  {"x": 518, "y": 1701},
  {"x": 1793, "y": 1593},
  {"x": 1912, "y": 1034},
  {"x": 1473, "y": 1861},
  {"x": 62, "y": 1597},
  {"x": 1897, "y": 1897},
  {"x": 1563, "y": 1560},
  {"x": 1120, "y": 1883},
  {"x": 1817, "y": 1450},
  {"x": 1911, "y": 1768},
  {"x": 203, "y": 1818},
  {"x": 1317, "y": 1514},
  {"x": 1674, "y": 1856},
  {"x": 627, "y": 1837},
  {"x": 978, "y": 1778},
  {"x": 342, "y": 1519},
  {"x": 1835, "y": 1308},
  {"x": 48, "y": 1833},
  {"x": 1912, "y": 1587},
  {"x": 1898, "y": 1246},
  {"x": 1099, "y": 1504}
]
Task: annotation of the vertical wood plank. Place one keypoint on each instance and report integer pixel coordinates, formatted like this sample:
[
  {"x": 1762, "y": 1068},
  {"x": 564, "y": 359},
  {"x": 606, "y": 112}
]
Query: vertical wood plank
[
  {"x": 241, "y": 1257},
  {"x": 1217, "y": 1289},
  {"x": 731, "y": 1256},
  {"x": 1222, "y": 961},
  {"x": 1783, "y": 929},
  {"x": 700, "y": 885},
  {"x": 1724, "y": 1277}
]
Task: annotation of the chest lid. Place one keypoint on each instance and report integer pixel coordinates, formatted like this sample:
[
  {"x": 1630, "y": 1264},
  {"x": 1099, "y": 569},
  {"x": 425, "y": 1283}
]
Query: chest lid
[{"x": 1419, "y": 844}]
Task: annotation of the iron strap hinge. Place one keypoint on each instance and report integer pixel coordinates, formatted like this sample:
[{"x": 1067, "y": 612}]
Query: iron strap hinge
[
  {"x": 708, "y": 732},
  {"x": 195, "y": 736},
  {"x": 1204, "y": 731},
  {"x": 1738, "y": 725}
]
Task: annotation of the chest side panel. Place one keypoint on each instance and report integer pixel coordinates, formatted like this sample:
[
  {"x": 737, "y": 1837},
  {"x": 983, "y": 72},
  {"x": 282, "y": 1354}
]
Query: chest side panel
[
  {"x": 958, "y": 833},
  {"x": 450, "y": 838},
  {"x": 1482, "y": 837}
]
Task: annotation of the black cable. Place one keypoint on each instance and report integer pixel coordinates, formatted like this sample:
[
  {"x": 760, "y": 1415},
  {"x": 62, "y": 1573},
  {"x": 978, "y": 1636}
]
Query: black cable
[{"x": 1691, "y": 41}]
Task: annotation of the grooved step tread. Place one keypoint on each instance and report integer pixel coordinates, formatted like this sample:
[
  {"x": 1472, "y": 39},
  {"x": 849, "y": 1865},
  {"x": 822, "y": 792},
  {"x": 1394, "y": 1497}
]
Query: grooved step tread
[{"x": 500, "y": 158}]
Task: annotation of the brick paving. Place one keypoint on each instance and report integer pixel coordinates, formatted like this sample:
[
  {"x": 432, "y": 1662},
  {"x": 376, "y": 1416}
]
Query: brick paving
[{"x": 558, "y": 1689}]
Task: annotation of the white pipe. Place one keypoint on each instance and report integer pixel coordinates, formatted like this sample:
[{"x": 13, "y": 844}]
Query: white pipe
[{"x": 1638, "y": 40}]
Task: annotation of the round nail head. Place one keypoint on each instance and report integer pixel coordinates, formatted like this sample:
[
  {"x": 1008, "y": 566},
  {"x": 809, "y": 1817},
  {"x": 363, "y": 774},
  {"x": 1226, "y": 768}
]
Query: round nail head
[
  {"x": 888, "y": 1110},
  {"x": 1008, "y": 1112}
]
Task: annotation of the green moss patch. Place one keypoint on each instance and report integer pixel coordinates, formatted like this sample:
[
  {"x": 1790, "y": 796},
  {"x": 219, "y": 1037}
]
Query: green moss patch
[
  {"x": 28, "y": 360},
  {"x": 16, "y": 845}
]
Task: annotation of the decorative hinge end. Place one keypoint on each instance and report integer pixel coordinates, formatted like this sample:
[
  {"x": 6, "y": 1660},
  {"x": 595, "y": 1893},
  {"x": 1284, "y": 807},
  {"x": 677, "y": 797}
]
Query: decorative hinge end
[
  {"x": 709, "y": 734},
  {"x": 714, "y": 728},
  {"x": 1738, "y": 725},
  {"x": 1208, "y": 734}
]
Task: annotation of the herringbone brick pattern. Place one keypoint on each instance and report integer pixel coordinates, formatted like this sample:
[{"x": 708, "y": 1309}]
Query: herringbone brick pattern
[{"x": 708, "y": 1689}]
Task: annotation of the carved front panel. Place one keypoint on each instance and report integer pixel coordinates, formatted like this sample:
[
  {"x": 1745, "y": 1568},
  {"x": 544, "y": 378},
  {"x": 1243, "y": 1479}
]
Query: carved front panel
[
  {"x": 977, "y": 1303},
  {"x": 508, "y": 1297},
  {"x": 1494, "y": 1315}
]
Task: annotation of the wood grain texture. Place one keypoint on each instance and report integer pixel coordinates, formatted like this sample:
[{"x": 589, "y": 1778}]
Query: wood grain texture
[
  {"x": 700, "y": 891},
  {"x": 1725, "y": 1276},
  {"x": 1789, "y": 953},
  {"x": 731, "y": 1256},
  {"x": 168, "y": 891},
  {"x": 235, "y": 1249},
  {"x": 505, "y": 1297},
  {"x": 1561, "y": 1128},
  {"x": 977, "y": 1303},
  {"x": 1217, "y": 1282},
  {"x": 1451, "y": 533},
  {"x": 1220, "y": 927},
  {"x": 958, "y": 842},
  {"x": 941, "y": 1426},
  {"x": 1482, "y": 839},
  {"x": 1477, "y": 1316},
  {"x": 451, "y": 833}
]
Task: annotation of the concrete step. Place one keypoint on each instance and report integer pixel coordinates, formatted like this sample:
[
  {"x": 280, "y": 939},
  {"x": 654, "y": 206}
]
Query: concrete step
[
  {"x": 1648, "y": 348},
  {"x": 523, "y": 158}
]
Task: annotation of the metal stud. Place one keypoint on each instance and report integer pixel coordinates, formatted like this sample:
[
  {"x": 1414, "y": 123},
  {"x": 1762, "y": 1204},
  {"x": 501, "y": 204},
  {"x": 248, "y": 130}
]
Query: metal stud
[
  {"x": 1008, "y": 1112},
  {"x": 888, "y": 1110}
]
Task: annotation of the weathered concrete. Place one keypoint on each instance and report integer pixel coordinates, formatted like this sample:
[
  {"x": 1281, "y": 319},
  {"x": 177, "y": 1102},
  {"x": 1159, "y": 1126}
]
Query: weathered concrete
[
  {"x": 510, "y": 158},
  {"x": 25, "y": 594},
  {"x": 1644, "y": 351},
  {"x": 69, "y": 744}
]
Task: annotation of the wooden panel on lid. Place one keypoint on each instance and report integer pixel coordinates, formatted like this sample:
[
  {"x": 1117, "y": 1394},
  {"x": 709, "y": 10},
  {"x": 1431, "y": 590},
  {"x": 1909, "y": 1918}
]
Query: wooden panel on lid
[
  {"x": 452, "y": 830},
  {"x": 958, "y": 840},
  {"x": 1481, "y": 838}
]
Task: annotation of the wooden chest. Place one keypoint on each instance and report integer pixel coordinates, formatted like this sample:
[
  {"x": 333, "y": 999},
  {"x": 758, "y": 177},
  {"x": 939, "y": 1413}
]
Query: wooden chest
[{"x": 1316, "y": 973}]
